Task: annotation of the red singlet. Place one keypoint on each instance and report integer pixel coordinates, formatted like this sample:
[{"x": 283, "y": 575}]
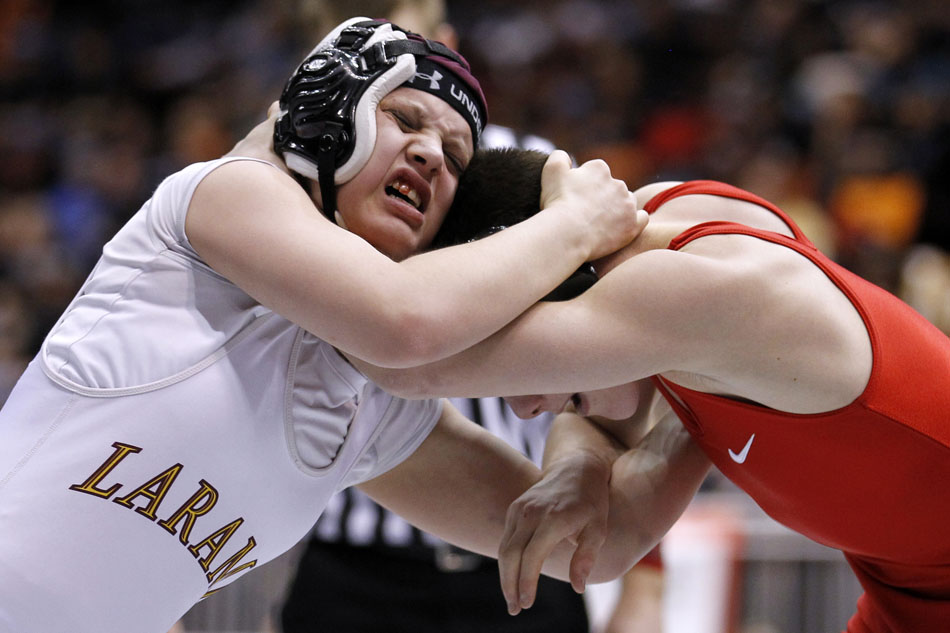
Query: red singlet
[{"x": 872, "y": 478}]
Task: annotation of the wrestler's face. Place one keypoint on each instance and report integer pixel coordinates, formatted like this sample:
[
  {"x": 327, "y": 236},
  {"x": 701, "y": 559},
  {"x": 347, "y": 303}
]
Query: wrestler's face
[
  {"x": 614, "y": 403},
  {"x": 398, "y": 200}
]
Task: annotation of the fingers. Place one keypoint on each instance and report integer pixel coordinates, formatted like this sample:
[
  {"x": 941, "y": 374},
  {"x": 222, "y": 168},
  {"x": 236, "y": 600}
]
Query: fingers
[
  {"x": 643, "y": 218},
  {"x": 531, "y": 535},
  {"x": 513, "y": 542},
  {"x": 521, "y": 555},
  {"x": 535, "y": 552},
  {"x": 562, "y": 518},
  {"x": 559, "y": 160},
  {"x": 509, "y": 564},
  {"x": 589, "y": 543},
  {"x": 555, "y": 167}
]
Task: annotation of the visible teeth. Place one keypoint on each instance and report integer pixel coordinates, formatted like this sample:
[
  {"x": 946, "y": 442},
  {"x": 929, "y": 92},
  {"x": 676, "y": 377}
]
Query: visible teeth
[{"x": 406, "y": 191}]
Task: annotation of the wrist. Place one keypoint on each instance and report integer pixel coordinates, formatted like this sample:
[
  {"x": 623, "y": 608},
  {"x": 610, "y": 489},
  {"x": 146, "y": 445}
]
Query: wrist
[
  {"x": 596, "y": 464},
  {"x": 572, "y": 228}
]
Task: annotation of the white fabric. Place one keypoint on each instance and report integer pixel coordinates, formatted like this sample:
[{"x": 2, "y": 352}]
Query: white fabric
[
  {"x": 364, "y": 118},
  {"x": 361, "y": 525},
  {"x": 171, "y": 435}
]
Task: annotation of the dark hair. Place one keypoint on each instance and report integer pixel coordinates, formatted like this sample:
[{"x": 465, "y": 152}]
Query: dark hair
[{"x": 499, "y": 188}]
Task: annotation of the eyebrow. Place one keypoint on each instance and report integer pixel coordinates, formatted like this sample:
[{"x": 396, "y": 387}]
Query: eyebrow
[{"x": 456, "y": 135}]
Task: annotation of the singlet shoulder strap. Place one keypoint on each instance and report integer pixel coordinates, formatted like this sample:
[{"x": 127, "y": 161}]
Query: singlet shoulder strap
[{"x": 714, "y": 188}]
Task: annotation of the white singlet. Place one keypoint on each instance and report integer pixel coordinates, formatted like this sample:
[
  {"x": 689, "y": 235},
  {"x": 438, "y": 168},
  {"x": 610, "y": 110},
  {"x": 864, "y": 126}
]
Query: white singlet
[{"x": 171, "y": 435}]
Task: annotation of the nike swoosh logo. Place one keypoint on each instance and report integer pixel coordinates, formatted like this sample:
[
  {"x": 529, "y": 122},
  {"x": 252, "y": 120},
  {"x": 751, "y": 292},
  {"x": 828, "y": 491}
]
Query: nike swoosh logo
[{"x": 740, "y": 458}]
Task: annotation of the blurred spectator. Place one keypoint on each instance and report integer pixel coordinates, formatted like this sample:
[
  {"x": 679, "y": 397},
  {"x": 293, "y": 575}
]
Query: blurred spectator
[
  {"x": 838, "y": 111},
  {"x": 925, "y": 284}
]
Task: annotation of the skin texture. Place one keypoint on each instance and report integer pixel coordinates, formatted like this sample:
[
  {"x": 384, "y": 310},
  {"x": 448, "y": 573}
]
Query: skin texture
[
  {"x": 256, "y": 226},
  {"x": 439, "y": 147},
  {"x": 358, "y": 288},
  {"x": 773, "y": 330}
]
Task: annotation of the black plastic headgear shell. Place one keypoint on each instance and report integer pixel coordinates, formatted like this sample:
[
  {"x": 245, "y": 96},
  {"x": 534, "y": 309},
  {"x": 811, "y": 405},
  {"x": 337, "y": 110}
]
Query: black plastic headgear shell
[{"x": 318, "y": 121}]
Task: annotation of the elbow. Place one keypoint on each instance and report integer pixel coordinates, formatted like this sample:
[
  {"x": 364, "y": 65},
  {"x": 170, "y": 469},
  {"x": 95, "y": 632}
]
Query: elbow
[
  {"x": 612, "y": 565},
  {"x": 615, "y": 562},
  {"x": 411, "y": 337},
  {"x": 412, "y": 383},
  {"x": 394, "y": 368}
]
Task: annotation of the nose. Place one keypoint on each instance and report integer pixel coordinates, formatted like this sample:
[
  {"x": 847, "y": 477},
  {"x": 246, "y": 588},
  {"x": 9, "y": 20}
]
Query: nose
[
  {"x": 526, "y": 406},
  {"x": 426, "y": 152}
]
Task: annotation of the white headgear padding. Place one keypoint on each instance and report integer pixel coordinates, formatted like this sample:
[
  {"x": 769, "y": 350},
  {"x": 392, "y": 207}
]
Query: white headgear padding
[{"x": 326, "y": 129}]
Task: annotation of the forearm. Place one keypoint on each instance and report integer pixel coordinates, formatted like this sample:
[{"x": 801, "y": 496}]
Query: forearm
[
  {"x": 599, "y": 338},
  {"x": 337, "y": 286},
  {"x": 614, "y": 517},
  {"x": 456, "y": 297},
  {"x": 573, "y": 437},
  {"x": 578, "y": 444},
  {"x": 650, "y": 487},
  {"x": 458, "y": 484}
]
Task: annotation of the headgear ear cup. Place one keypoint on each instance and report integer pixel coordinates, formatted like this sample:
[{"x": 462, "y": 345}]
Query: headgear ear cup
[{"x": 327, "y": 127}]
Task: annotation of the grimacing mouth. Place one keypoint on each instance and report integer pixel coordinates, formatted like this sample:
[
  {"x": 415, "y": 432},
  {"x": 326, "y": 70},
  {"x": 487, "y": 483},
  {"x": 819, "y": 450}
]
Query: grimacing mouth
[{"x": 402, "y": 190}]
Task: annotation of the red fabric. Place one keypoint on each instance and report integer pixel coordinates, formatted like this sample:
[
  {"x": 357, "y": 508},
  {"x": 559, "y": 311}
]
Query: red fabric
[
  {"x": 871, "y": 478},
  {"x": 652, "y": 559}
]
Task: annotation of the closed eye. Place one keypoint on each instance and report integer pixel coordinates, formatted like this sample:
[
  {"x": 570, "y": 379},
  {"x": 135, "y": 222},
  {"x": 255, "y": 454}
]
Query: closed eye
[
  {"x": 402, "y": 120},
  {"x": 407, "y": 124},
  {"x": 457, "y": 164}
]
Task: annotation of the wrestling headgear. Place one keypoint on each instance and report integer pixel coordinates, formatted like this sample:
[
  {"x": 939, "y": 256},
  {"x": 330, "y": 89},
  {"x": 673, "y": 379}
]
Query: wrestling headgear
[{"x": 327, "y": 124}]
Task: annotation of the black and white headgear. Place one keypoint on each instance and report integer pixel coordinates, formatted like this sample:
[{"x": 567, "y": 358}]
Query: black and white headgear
[{"x": 326, "y": 130}]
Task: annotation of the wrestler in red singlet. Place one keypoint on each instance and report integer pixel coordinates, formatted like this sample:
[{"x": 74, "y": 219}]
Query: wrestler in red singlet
[{"x": 868, "y": 478}]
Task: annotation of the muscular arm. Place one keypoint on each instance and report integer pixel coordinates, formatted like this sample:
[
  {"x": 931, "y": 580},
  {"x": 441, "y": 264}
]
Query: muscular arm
[
  {"x": 649, "y": 487},
  {"x": 465, "y": 484},
  {"x": 254, "y": 225},
  {"x": 459, "y": 484},
  {"x": 730, "y": 315},
  {"x": 638, "y": 320}
]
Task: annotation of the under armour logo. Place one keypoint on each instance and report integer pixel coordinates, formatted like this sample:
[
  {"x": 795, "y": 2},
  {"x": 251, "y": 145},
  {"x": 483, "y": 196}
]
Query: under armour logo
[{"x": 433, "y": 79}]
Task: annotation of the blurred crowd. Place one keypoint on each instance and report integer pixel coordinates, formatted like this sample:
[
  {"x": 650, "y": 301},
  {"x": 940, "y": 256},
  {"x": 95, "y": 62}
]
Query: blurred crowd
[{"x": 837, "y": 111}]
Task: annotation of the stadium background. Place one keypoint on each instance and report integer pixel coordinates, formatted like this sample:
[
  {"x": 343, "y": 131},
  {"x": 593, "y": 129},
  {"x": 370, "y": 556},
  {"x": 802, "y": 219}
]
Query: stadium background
[{"x": 837, "y": 111}]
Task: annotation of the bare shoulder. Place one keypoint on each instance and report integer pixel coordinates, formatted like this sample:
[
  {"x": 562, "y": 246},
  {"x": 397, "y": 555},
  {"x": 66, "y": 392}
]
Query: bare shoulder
[
  {"x": 786, "y": 336},
  {"x": 243, "y": 188},
  {"x": 678, "y": 302},
  {"x": 255, "y": 225},
  {"x": 645, "y": 193},
  {"x": 247, "y": 176}
]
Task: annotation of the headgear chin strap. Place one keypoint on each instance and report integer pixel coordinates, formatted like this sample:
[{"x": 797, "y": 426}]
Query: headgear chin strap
[{"x": 326, "y": 130}]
